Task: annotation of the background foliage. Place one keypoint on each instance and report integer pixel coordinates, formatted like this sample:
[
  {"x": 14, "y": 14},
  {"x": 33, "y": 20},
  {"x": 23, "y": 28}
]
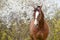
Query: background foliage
[
  {"x": 21, "y": 31},
  {"x": 15, "y": 17}
]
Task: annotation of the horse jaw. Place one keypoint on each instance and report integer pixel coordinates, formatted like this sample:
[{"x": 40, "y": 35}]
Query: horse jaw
[{"x": 36, "y": 15}]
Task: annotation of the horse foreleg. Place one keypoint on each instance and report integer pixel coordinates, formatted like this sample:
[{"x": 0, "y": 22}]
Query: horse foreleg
[{"x": 31, "y": 38}]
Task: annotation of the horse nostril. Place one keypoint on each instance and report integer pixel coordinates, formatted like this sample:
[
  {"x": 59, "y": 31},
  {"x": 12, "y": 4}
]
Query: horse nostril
[{"x": 36, "y": 25}]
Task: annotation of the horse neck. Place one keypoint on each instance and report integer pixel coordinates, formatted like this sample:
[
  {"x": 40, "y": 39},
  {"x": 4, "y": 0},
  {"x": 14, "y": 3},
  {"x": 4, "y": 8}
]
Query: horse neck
[{"x": 41, "y": 22}]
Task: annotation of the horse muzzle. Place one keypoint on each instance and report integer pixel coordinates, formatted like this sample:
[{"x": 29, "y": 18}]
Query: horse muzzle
[{"x": 35, "y": 23}]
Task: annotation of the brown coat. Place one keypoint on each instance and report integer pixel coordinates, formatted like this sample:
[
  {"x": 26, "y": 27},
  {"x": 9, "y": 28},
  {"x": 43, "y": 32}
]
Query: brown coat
[{"x": 38, "y": 34}]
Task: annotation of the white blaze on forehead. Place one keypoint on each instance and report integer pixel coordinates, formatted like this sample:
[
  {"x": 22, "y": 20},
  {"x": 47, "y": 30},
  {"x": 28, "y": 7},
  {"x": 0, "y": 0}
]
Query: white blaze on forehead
[{"x": 36, "y": 15}]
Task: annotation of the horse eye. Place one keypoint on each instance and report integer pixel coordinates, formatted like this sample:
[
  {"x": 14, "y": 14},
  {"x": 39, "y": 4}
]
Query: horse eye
[{"x": 38, "y": 10}]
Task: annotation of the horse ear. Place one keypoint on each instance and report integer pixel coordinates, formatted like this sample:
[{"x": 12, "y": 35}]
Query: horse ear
[
  {"x": 41, "y": 6},
  {"x": 32, "y": 4}
]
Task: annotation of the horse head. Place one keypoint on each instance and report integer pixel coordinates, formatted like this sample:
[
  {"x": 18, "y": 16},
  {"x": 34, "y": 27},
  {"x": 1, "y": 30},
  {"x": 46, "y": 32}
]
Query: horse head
[{"x": 38, "y": 15}]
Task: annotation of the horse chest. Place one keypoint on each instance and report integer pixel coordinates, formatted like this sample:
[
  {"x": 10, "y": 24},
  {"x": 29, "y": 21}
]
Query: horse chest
[{"x": 35, "y": 30}]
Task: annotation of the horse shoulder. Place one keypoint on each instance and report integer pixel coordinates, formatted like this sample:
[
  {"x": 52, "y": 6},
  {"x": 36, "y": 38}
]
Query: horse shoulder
[
  {"x": 46, "y": 29},
  {"x": 31, "y": 22},
  {"x": 46, "y": 24}
]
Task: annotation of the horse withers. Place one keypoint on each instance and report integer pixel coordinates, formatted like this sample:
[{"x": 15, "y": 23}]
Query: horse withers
[{"x": 38, "y": 26}]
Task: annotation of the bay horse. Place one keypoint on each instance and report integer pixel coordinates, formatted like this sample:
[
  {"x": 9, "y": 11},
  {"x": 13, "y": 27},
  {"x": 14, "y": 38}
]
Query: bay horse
[{"x": 39, "y": 29}]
